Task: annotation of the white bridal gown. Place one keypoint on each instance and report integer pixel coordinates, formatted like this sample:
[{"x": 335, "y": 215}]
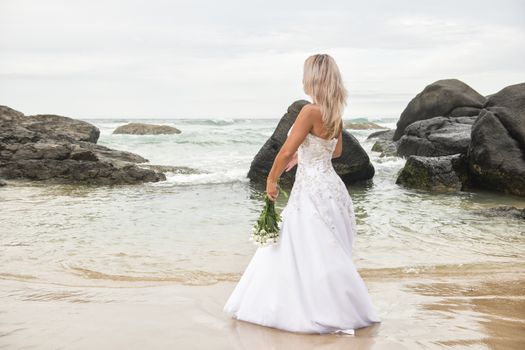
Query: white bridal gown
[{"x": 307, "y": 282}]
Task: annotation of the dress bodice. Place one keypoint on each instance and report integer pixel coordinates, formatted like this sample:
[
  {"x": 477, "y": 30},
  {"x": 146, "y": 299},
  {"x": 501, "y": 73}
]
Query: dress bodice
[
  {"x": 315, "y": 153},
  {"x": 317, "y": 179}
]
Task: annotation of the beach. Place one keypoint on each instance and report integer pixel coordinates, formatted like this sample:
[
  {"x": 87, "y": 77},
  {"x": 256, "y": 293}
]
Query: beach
[
  {"x": 470, "y": 307},
  {"x": 151, "y": 265}
]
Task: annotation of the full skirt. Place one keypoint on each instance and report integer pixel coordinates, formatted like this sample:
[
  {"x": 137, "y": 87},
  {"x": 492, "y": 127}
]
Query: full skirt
[{"x": 307, "y": 282}]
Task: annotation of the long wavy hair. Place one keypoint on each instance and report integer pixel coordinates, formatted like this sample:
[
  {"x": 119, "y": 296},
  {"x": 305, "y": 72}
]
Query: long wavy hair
[{"x": 322, "y": 81}]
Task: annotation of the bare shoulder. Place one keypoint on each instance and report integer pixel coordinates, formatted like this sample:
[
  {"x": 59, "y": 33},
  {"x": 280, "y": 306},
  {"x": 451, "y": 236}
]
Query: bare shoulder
[
  {"x": 312, "y": 107},
  {"x": 312, "y": 111}
]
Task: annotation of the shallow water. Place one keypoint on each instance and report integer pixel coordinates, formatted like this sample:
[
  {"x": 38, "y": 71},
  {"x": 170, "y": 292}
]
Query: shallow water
[
  {"x": 80, "y": 244},
  {"x": 194, "y": 229}
]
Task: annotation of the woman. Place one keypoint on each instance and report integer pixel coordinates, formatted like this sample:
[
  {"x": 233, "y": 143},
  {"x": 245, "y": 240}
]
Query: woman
[{"x": 307, "y": 282}]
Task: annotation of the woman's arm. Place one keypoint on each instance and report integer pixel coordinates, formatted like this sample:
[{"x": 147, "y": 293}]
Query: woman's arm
[
  {"x": 292, "y": 163},
  {"x": 339, "y": 146},
  {"x": 302, "y": 126}
]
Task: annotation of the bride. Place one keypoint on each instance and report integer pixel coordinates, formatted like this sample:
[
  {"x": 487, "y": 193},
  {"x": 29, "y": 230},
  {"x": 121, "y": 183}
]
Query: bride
[{"x": 307, "y": 282}]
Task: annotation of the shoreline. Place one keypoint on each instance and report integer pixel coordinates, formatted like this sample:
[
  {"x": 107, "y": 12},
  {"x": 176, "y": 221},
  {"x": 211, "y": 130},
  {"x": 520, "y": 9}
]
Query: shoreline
[{"x": 484, "y": 309}]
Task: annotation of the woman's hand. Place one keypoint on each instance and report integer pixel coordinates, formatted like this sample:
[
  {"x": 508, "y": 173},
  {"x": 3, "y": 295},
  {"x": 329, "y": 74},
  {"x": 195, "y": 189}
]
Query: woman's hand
[
  {"x": 271, "y": 190},
  {"x": 291, "y": 163}
]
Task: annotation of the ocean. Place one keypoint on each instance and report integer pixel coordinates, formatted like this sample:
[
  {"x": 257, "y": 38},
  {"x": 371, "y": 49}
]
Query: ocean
[{"x": 193, "y": 229}]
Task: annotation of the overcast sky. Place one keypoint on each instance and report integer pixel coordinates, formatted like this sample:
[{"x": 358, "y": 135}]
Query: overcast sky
[{"x": 244, "y": 59}]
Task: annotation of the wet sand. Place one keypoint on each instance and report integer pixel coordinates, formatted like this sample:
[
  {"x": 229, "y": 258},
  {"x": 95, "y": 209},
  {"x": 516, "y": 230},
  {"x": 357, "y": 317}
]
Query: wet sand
[{"x": 462, "y": 307}]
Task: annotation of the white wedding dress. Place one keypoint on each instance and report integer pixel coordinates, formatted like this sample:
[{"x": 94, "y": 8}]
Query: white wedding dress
[{"x": 307, "y": 282}]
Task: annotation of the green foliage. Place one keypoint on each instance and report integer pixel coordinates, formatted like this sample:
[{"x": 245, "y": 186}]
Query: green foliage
[{"x": 266, "y": 229}]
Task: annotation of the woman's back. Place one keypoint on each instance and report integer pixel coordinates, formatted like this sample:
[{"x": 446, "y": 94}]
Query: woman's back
[
  {"x": 307, "y": 282},
  {"x": 318, "y": 128}
]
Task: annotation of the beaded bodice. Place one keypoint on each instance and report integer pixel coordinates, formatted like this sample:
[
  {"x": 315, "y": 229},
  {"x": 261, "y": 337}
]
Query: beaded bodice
[
  {"x": 317, "y": 179},
  {"x": 316, "y": 152}
]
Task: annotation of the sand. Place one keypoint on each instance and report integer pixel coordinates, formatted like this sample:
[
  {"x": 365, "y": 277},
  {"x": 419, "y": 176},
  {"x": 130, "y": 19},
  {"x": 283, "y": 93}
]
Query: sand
[{"x": 463, "y": 307}]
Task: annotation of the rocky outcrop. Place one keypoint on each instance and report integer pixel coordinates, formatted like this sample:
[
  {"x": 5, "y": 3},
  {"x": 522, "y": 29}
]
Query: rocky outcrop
[
  {"x": 445, "y": 98},
  {"x": 172, "y": 169},
  {"x": 449, "y": 117},
  {"x": 362, "y": 126},
  {"x": 353, "y": 165},
  {"x": 438, "y": 136},
  {"x": 145, "y": 129},
  {"x": 437, "y": 174},
  {"x": 384, "y": 144},
  {"x": 496, "y": 153},
  {"x": 389, "y": 133},
  {"x": 17, "y": 127},
  {"x": 502, "y": 211},
  {"x": 64, "y": 150}
]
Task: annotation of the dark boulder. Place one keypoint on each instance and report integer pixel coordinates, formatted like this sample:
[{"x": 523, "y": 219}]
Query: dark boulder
[
  {"x": 436, "y": 174},
  {"x": 442, "y": 98},
  {"x": 497, "y": 150},
  {"x": 438, "y": 136},
  {"x": 352, "y": 166},
  {"x": 64, "y": 150}
]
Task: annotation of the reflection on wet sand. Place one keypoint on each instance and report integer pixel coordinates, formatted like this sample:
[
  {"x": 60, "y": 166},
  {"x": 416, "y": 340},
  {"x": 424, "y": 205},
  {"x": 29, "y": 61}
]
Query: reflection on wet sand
[
  {"x": 498, "y": 307},
  {"x": 473, "y": 310},
  {"x": 245, "y": 335}
]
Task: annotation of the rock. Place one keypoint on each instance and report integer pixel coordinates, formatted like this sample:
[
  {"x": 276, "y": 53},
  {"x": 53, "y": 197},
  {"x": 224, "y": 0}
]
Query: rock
[
  {"x": 64, "y": 150},
  {"x": 464, "y": 112},
  {"x": 436, "y": 174},
  {"x": 145, "y": 129},
  {"x": 387, "y": 148},
  {"x": 353, "y": 165},
  {"x": 172, "y": 169},
  {"x": 41, "y": 150},
  {"x": 502, "y": 211},
  {"x": 389, "y": 133},
  {"x": 9, "y": 113},
  {"x": 14, "y": 125},
  {"x": 496, "y": 154},
  {"x": 362, "y": 126},
  {"x": 74, "y": 171},
  {"x": 62, "y": 128},
  {"x": 105, "y": 153},
  {"x": 438, "y": 136},
  {"x": 440, "y": 98},
  {"x": 384, "y": 144},
  {"x": 83, "y": 154},
  {"x": 2, "y": 183}
]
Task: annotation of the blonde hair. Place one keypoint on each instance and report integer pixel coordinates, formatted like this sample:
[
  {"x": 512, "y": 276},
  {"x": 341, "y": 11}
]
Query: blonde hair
[{"x": 322, "y": 81}]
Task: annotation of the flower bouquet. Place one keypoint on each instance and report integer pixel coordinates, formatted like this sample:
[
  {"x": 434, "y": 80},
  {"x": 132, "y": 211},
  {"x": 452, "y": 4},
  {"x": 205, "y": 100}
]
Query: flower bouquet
[{"x": 266, "y": 230}]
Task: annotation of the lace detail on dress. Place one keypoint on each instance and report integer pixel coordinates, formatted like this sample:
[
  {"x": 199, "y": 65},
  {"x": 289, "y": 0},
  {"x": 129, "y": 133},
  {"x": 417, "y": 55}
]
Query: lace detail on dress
[
  {"x": 317, "y": 281},
  {"x": 317, "y": 179}
]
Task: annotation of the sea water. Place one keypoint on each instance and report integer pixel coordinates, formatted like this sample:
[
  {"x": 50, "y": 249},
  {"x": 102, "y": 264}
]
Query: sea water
[{"x": 194, "y": 227}]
